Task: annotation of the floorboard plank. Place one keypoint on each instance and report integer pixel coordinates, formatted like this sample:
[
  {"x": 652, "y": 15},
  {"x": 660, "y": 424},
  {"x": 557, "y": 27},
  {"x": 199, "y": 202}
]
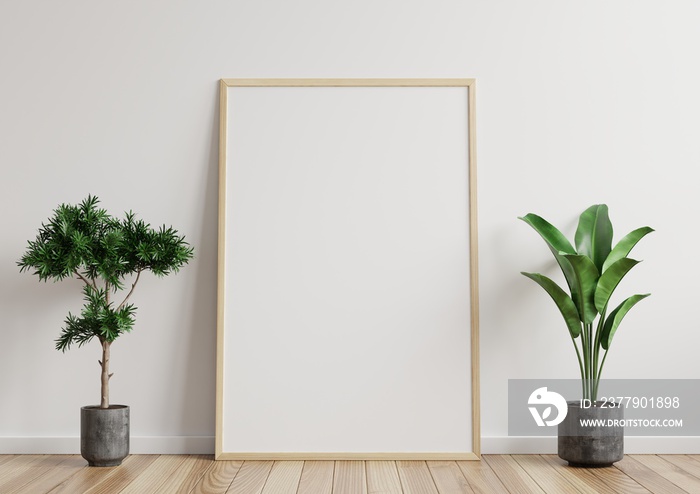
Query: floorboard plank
[
  {"x": 317, "y": 477},
  {"x": 349, "y": 477},
  {"x": 482, "y": 479},
  {"x": 4, "y": 458},
  {"x": 448, "y": 478},
  {"x": 51, "y": 478},
  {"x": 284, "y": 477},
  {"x": 183, "y": 480},
  {"x": 157, "y": 473},
  {"x": 621, "y": 482},
  {"x": 684, "y": 462},
  {"x": 383, "y": 478},
  {"x": 91, "y": 477},
  {"x": 218, "y": 478},
  {"x": 251, "y": 478},
  {"x": 516, "y": 480},
  {"x": 124, "y": 475},
  {"x": 674, "y": 474},
  {"x": 416, "y": 478},
  {"x": 17, "y": 465},
  {"x": 31, "y": 472},
  {"x": 608, "y": 480},
  {"x": 200, "y": 467},
  {"x": 647, "y": 477},
  {"x": 548, "y": 478}
]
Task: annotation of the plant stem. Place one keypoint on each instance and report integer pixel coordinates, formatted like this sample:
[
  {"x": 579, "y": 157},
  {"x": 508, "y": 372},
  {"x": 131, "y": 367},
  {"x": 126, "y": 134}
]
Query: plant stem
[
  {"x": 105, "y": 375},
  {"x": 583, "y": 357},
  {"x": 586, "y": 361},
  {"x": 80, "y": 276},
  {"x": 580, "y": 364},
  {"x": 596, "y": 353},
  {"x": 591, "y": 366},
  {"x": 600, "y": 370},
  {"x": 138, "y": 273}
]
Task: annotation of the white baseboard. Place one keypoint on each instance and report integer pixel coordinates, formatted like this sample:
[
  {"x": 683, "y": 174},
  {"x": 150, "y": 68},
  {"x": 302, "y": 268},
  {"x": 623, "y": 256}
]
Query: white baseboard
[
  {"x": 166, "y": 445},
  {"x": 204, "y": 445},
  {"x": 640, "y": 445}
]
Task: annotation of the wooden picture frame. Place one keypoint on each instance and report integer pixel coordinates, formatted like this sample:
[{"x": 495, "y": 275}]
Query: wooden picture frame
[{"x": 347, "y": 322}]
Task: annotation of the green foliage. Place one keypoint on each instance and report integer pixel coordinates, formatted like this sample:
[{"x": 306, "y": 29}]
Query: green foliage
[
  {"x": 98, "y": 318},
  {"x": 592, "y": 271},
  {"x": 83, "y": 241},
  {"x": 564, "y": 303}
]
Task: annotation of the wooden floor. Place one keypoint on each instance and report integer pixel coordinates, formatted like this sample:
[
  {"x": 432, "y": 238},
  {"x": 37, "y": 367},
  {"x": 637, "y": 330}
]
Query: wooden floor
[{"x": 514, "y": 474}]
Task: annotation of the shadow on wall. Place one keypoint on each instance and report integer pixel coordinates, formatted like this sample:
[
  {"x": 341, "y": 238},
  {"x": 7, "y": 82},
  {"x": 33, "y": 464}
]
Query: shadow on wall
[
  {"x": 200, "y": 373},
  {"x": 511, "y": 250}
]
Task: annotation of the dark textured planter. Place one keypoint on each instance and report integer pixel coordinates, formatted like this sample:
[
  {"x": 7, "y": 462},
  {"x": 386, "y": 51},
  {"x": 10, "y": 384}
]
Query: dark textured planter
[
  {"x": 591, "y": 446},
  {"x": 104, "y": 435}
]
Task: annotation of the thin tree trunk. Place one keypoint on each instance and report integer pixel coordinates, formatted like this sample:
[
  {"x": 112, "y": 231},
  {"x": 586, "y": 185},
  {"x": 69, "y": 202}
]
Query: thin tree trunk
[{"x": 104, "y": 402}]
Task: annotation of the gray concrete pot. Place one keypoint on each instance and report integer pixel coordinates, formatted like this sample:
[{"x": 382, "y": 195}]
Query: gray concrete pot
[
  {"x": 104, "y": 435},
  {"x": 593, "y": 445}
]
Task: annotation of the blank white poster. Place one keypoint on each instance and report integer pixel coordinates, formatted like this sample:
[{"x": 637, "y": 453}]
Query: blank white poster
[{"x": 346, "y": 326}]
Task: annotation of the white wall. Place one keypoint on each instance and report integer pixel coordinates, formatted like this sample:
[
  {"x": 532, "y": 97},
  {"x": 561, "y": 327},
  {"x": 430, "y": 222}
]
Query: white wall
[{"x": 578, "y": 103}]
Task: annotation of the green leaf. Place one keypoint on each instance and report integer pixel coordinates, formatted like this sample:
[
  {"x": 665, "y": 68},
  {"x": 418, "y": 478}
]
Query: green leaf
[
  {"x": 615, "y": 318},
  {"x": 624, "y": 246},
  {"x": 594, "y": 234},
  {"x": 586, "y": 280},
  {"x": 558, "y": 244},
  {"x": 554, "y": 238},
  {"x": 610, "y": 279},
  {"x": 564, "y": 303}
]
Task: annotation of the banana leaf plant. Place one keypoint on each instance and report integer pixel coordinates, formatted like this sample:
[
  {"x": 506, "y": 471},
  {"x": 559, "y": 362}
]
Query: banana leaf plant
[{"x": 592, "y": 272}]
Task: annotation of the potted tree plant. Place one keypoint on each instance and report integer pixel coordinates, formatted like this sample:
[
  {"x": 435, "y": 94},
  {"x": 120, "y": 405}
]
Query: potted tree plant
[
  {"x": 107, "y": 255},
  {"x": 592, "y": 272}
]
